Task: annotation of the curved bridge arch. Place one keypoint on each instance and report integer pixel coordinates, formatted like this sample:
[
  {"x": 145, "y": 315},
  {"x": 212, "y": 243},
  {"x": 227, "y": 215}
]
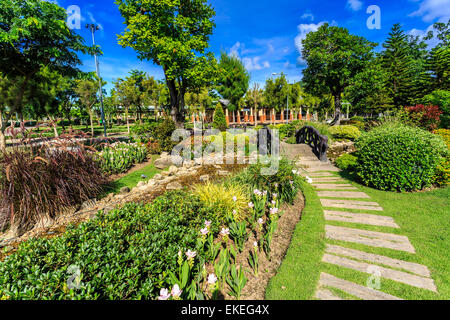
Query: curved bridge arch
[{"x": 311, "y": 136}]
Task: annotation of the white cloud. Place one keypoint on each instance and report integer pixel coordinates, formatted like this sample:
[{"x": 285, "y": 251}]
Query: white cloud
[
  {"x": 307, "y": 16},
  {"x": 355, "y": 5},
  {"x": 252, "y": 64},
  {"x": 303, "y": 30},
  {"x": 234, "y": 51},
  {"x": 423, "y": 33},
  {"x": 430, "y": 10}
]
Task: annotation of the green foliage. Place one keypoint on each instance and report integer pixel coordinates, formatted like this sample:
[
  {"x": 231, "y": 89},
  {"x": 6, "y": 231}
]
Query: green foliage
[
  {"x": 163, "y": 134},
  {"x": 237, "y": 281},
  {"x": 238, "y": 232},
  {"x": 276, "y": 92},
  {"x": 120, "y": 157},
  {"x": 345, "y": 132},
  {"x": 219, "y": 122},
  {"x": 398, "y": 158},
  {"x": 123, "y": 255},
  {"x": 442, "y": 177},
  {"x": 347, "y": 162},
  {"x": 440, "y": 98},
  {"x": 226, "y": 200},
  {"x": 145, "y": 131},
  {"x": 233, "y": 80}
]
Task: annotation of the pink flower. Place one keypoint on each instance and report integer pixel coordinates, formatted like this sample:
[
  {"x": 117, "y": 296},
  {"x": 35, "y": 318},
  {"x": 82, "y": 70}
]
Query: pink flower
[
  {"x": 275, "y": 195},
  {"x": 191, "y": 254},
  {"x": 225, "y": 232},
  {"x": 176, "y": 292},
  {"x": 164, "y": 294},
  {"x": 251, "y": 205},
  {"x": 274, "y": 202},
  {"x": 204, "y": 231},
  {"x": 274, "y": 210},
  {"x": 235, "y": 199},
  {"x": 255, "y": 245},
  {"x": 261, "y": 221},
  {"x": 212, "y": 279},
  {"x": 208, "y": 223}
]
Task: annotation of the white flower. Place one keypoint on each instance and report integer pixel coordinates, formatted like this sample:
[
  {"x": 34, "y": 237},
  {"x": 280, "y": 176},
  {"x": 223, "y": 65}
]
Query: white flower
[
  {"x": 261, "y": 221},
  {"x": 295, "y": 172},
  {"x": 275, "y": 195},
  {"x": 225, "y": 232},
  {"x": 235, "y": 199},
  {"x": 191, "y": 254},
  {"x": 164, "y": 294},
  {"x": 274, "y": 202},
  {"x": 274, "y": 210},
  {"x": 309, "y": 180},
  {"x": 204, "y": 231},
  {"x": 255, "y": 244},
  {"x": 251, "y": 205},
  {"x": 176, "y": 292},
  {"x": 212, "y": 279},
  {"x": 208, "y": 223}
]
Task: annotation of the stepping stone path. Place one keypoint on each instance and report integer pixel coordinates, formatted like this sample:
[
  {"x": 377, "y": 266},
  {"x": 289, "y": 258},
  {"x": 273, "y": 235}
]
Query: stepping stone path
[{"x": 338, "y": 196}]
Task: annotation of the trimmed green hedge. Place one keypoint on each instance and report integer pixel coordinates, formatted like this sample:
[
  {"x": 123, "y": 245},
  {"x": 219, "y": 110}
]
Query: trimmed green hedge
[
  {"x": 346, "y": 162},
  {"x": 345, "y": 132},
  {"x": 399, "y": 158}
]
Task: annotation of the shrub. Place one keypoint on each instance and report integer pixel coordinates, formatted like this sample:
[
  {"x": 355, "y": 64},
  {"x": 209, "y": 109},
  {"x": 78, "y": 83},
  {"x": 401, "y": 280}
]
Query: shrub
[
  {"x": 47, "y": 182},
  {"x": 442, "y": 177},
  {"x": 163, "y": 133},
  {"x": 398, "y": 157},
  {"x": 359, "y": 124},
  {"x": 219, "y": 121},
  {"x": 120, "y": 157},
  {"x": 153, "y": 146},
  {"x": 346, "y": 162},
  {"x": 345, "y": 132},
  {"x": 124, "y": 255},
  {"x": 425, "y": 117},
  {"x": 224, "y": 200},
  {"x": 357, "y": 118},
  {"x": 440, "y": 98},
  {"x": 145, "y": 131}
]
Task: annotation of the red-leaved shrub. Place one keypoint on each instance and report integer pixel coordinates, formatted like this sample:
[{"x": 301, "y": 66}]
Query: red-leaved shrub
[{"x": 426, "y": 117}]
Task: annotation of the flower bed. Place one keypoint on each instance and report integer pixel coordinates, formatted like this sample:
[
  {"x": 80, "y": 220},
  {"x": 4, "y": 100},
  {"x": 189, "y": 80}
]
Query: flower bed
[
  {"x": 177, "y": 247},
  {"x": 120, "y": 157}
]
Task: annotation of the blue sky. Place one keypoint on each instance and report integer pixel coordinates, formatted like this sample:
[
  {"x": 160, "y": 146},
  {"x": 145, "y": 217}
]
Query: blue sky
[{"x": 265, "y": 34}]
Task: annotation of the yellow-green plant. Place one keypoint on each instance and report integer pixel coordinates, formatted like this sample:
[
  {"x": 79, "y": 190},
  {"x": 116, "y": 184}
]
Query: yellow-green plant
[{"x": 227, "y": 200}]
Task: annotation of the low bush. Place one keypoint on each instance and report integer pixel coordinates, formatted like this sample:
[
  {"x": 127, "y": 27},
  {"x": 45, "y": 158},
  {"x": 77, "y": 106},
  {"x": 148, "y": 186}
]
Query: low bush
[
  {"x": 145, "y": 131},
  {"x": 44, "y": 183},
  {"x": 345, "y": 132},
  {"x": 120, "y": 157},
  {"x": 224, "y": 199},
  {"x": 442, "y": 177},
  {"x": 399, "y": 158},
  {"x": 153, "y": 146},
  {"x": 219, "y": 121},
  {"x": 127, "y": 254},
  {"x": 346, "y": 162},
  {"x": 163, "y": 133},
  {"x": 425, "y": 117}
]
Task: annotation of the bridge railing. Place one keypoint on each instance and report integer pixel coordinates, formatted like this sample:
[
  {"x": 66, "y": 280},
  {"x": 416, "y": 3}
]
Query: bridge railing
[{"x": 319, "y": 143}]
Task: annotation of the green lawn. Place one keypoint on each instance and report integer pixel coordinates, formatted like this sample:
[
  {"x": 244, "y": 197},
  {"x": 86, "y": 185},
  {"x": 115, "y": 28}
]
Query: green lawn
[
  {"x": 132, "y": 179},
  {"x": 423, "y": 217}
]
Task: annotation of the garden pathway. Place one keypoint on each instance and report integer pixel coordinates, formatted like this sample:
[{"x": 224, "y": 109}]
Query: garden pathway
[{"x": 338, "y": 198}]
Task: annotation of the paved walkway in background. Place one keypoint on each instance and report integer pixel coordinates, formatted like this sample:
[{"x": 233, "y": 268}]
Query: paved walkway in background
[{"x": 338, "y": 197}]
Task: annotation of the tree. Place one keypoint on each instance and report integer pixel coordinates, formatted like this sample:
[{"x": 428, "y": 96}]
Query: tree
[
  {"x": 34, "y": 34},
  {"x": 233, "y": 81},
  {"x": 334, "y": 57},
  {"x": 177, "y": 42},
  {"x": 87, "y": 90},
  {"x": 397, "y": 62},
  {"x": 254, "y": 99},
  {"x": 220, "y": 122},
  {"x": 125, "y": 93},
  {"x": 276, "y": 92},
  {"x": 440, "y": 98}
]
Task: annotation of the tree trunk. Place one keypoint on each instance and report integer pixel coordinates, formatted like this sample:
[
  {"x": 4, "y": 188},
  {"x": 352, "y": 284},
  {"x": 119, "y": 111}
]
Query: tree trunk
[
  {"x": 255, "y": 116},
  {"x": 337, "y": 106},
  {"x": 128, "y": 120},
  {"x": 91, "y": 119},
  {"x": 3, "y": 125}
]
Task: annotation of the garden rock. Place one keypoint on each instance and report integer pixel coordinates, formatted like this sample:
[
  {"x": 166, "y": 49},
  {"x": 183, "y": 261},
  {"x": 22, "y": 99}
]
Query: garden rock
[
  {"x": 174, "y": 186},
  {"x": 141, "y": 184},
  {"x": 173, "y": 170},
  {"x": 163, "y": 163},
  {"x": 124, "y": 190},
  {"x": 157, "y": 177},
  {"x": 177, "y": 161}
]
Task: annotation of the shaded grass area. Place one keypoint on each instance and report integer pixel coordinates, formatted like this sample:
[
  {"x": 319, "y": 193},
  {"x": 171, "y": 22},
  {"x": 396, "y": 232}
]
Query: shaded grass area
[
  {"x": 424, "y": 217},
  {"x": 132, "y": 179},
  {"x": 299, "y": 273}
]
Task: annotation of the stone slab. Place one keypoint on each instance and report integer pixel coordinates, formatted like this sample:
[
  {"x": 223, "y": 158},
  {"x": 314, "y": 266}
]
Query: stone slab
[
  {"x": 322, "y": 174},
  {"x": 331, "y": 179},
  {"x": 354, "y": 289},
  {"x": 342, "y": 186},
  {"x": 370, "y": 238},
  {"x": 324, "y": 294},
  {"x": 395, "y": 275},
  {"x": 349, "y": 204},
  {"x": 416, "y": 268},
  {"x": 361, "y": 218},
  {"x": 343, "y": 194}
]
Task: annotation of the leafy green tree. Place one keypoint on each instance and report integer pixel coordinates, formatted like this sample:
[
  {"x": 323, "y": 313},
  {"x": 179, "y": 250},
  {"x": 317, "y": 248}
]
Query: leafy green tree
[
  {"x": 440, "y": 98},
  {"x": 254, "y": 99},
  {"x": 34, "y": 34},
  {"x": 233, "y": 81},
  {"x": 276, "y": 92},
  {"x": 397, "y": 62},
  {"x": 126, "y": 93},
  {"x": 174, "y": 35},
  {"x": 334, "y": 57},
  {"x": 219, "y": 122},
  {"x": 87, "y": 90}
]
